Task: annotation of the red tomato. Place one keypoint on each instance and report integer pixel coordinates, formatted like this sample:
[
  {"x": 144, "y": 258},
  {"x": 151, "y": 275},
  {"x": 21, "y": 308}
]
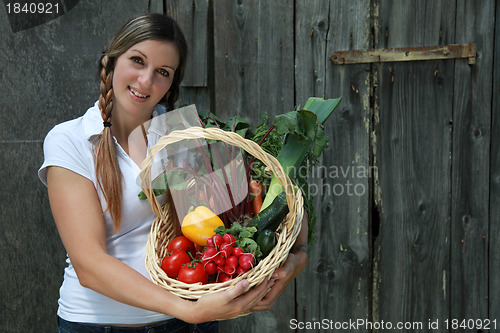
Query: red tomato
[
  {"x": 172, "y": 263},
  {"x": 193, "y": 273},
  {"x": 182, "y": 243}
]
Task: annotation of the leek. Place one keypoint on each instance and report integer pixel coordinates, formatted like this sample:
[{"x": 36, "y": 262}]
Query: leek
[{"x": 305, "y": 134}]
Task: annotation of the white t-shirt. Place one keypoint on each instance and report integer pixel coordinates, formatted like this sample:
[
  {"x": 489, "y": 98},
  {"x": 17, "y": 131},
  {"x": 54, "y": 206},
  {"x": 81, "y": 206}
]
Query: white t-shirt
[{"x": 69, "y": 145}]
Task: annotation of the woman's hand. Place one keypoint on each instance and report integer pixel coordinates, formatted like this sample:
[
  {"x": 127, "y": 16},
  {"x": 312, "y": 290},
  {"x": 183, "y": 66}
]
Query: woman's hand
[
  {"x": 293, "y": 265},
  {"x": 229, "y": 303}
]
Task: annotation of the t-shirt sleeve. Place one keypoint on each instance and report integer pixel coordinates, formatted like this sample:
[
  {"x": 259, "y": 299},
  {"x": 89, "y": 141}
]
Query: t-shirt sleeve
[{"x": 63, "y": 149}]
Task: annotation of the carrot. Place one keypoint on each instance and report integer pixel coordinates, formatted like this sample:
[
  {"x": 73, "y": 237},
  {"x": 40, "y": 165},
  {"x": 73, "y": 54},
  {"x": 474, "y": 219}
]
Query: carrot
[{"x": 256, "y": 190}]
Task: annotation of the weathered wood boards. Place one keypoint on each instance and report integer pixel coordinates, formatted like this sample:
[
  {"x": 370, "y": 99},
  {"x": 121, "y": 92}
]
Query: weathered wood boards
[
  {"x": 412, "y": 155},
  {"x": 194, "y": 20},
  {"x": 253, "y": 58},
  {"x": 253, "y": 73},
  {"x": 412, "y": 235},
  {"x": 494, "y": 200},
  {"x": 471, "y": 165},
  {"x": 48, "y": 75},
  {"x": 336, "y": 283}
]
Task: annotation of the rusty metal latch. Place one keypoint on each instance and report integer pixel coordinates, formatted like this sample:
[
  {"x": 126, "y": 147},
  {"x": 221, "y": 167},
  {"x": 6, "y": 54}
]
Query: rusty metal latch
[{"x": 452, "y": 51}]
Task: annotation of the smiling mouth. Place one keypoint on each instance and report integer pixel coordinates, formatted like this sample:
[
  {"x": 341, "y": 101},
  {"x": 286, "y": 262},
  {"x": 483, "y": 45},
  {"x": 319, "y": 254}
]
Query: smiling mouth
[{"x": 136, "y": 93}]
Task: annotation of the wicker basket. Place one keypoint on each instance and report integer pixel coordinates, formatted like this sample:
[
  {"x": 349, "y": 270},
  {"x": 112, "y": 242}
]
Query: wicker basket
[{"x": 163, "y": 228}]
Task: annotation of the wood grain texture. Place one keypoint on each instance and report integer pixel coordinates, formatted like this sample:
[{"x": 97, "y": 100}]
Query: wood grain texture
[
  {"x": 31, "y": 253},
  {"x": 52, "y": 79},
  {"x": 312, "y": 24},
  {"x": 494, "y": 200},
  {"x": 253, "y": 58},
  {"x": 156, "y": 6},
  {"x": 336, "y": 283},
  {"x": 419, "y": 241},
  {"x": 471, "y": 163},
  {"x": 195, "y": 95},
  {"x": 412, "y": 154},
  {"x": 192, "y": 17},
  {"x": 253, "y": 73}
]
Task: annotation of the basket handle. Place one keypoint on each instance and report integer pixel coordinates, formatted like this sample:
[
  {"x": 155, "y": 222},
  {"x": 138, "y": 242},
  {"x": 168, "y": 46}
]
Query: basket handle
[{"x": 213, "y": 134}]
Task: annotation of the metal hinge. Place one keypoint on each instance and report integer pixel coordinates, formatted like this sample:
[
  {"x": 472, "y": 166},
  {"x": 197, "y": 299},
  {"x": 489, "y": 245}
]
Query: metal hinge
[{"x": 452, "y": 51}]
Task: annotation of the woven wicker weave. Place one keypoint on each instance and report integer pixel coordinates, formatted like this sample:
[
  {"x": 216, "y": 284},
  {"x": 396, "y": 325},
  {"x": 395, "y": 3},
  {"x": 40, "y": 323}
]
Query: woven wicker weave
[{"x": 163, "y": 228}]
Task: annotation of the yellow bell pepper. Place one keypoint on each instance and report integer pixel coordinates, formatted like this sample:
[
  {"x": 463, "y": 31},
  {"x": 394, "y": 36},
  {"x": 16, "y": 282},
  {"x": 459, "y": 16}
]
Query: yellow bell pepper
[{"x": 199, "y": 225}]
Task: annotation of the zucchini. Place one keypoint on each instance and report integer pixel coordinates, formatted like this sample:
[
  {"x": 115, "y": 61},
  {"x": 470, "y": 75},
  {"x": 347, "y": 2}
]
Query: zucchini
[
  {"x": 266, "y": 241},
  {"x": 271, "y": 216}
]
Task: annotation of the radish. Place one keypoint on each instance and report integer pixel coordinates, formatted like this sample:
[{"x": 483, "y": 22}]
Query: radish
[
  {"x": 210, "y": 268},
  {"x": 217, "y": 240},
  {"x": 223, "y": 277},
  {"x": 246, "y": 261},
  {"x": 229, "y": 239},
  {"x": 219, "y": 261},
  {"x": 209, "y": 254},
  {"x": 239, "y": 270},
  {"x": 237, "y": 251},
  {"x": 210, "y": 242},
  {"x": 232, "y": 261},
  {"x": 226, "y": 249}
]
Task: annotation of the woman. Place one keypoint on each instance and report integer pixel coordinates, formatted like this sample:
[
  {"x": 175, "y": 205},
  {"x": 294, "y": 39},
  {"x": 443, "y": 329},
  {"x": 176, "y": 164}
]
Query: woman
[{"x": 91, "y": 180}]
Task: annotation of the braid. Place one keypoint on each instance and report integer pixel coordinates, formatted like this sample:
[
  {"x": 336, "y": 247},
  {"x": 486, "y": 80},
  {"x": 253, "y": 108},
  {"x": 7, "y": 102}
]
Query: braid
[
  {"x": 107, "y": 168},
  {"x": 106, "y": 97}
]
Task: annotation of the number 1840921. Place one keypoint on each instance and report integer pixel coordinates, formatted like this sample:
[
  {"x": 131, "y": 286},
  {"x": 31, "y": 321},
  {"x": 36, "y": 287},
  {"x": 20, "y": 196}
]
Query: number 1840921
[
  {"x": 471, "y": 324},
  {"x": 32, "y": 8}
]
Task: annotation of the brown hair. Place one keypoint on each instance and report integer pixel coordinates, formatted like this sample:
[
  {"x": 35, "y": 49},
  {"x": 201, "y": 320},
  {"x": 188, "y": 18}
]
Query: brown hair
[{"x": 136, "y": 30}]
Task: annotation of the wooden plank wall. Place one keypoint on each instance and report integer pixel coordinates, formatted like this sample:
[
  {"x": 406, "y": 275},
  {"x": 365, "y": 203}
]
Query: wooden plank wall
[
  {"x": 408, "y": 189},
  {"x": 48, "y": 75},
  {"x": 471, "y": 165},
  {"x": 337, "y": 281},
  {"x": 494, "y": 200},
  {"x": 413, "y": 145},
  {"x": 248, "y": 63},
  {"x": 195, "y": 20},
  {"x": 405, "y": 250}
]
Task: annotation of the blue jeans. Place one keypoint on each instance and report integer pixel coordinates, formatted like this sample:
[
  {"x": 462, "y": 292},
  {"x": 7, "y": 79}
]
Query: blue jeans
[{"x": 169, "y": 326}]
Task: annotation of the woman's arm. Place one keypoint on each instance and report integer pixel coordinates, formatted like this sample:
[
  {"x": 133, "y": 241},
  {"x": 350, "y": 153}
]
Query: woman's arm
[
  {"x": 79, "y": 220},
  {"x": 291, "y": 268}
]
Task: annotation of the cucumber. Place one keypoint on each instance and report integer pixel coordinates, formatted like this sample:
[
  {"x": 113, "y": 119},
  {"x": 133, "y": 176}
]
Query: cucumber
[
  {"x": 266, "y": 241},
  {"x": 271, "y": 216}
]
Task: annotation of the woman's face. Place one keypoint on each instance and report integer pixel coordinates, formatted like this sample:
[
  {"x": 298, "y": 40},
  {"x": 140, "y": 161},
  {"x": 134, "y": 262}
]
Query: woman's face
[{"x": 142, "y": 76}]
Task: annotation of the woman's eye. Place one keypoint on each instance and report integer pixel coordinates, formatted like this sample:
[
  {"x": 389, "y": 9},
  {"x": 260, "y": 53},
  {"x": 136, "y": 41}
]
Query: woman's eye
[
  {"x": 164, "y": 72},
  {"x": 137, "y": 60}
]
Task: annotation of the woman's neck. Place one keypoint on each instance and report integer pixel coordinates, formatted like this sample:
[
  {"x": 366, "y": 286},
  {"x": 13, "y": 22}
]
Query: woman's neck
[{"x": 130, "y": 133}]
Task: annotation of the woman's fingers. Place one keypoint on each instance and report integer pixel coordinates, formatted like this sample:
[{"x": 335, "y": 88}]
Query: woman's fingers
[
  {"x": 245, "y": 302},
  {"x": 238, "y": 289},
  {"x": 234, "y": 301}
]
